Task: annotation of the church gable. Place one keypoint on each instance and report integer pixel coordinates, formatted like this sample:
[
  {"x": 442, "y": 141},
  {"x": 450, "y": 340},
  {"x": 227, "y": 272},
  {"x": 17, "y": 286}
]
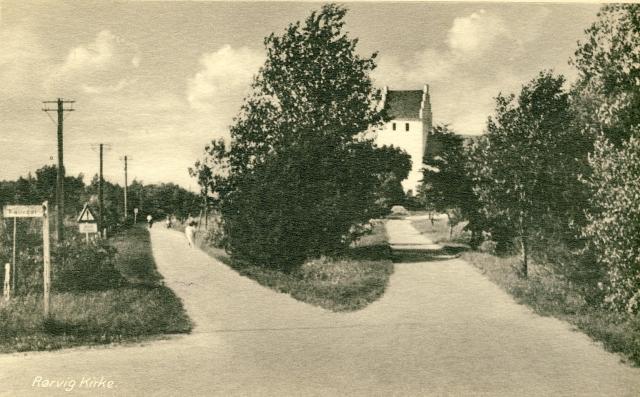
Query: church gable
[{"x": 404, "y": 104}]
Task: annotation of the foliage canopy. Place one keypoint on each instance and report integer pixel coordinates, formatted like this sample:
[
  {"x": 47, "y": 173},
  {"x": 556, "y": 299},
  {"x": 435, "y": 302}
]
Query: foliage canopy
[{"x": 300, "y": 177}]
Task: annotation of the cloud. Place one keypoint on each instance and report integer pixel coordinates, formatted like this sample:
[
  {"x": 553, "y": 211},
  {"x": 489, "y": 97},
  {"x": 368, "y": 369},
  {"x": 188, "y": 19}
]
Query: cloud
[
  {"x": 475, "y": 34},
  {"x": 484, "y": 55},
  {"x": 224, "y": 78},
  {"x": 93, "y": 56},
  {"x": 103, "y": 65}
]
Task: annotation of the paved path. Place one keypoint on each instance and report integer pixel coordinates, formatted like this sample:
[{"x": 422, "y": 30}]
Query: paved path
[
  {"x": 404, "y": 237},
  {"x": 441, "y": 329}
]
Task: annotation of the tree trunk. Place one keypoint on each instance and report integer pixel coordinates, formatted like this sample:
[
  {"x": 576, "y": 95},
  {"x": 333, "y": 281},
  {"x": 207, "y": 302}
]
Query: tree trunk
[
  {"x": 525, "y": 256},
  {"x": 450, "y": 225}
]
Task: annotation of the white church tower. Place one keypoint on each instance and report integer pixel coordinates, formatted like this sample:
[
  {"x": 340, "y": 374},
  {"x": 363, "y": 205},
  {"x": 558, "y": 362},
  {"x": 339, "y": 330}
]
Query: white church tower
[{"x": 410, "y": 125}]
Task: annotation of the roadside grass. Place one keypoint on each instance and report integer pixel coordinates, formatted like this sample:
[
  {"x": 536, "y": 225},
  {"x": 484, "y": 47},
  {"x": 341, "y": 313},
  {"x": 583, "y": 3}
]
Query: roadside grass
[
  {"x": 347, "y": 283},
  {"x": 549, "y": 295},
  {"x": 140, "y": 309},
  {"x": 439, "y": 232}
]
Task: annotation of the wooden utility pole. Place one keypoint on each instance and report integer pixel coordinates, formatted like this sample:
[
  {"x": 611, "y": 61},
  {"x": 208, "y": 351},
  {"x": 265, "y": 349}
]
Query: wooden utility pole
[
  {"x": 46, "y": 256},
  {"x": 125, "y": 188},
  {"x": 100, "y": 196},
  {"x": 60, "y": 176},
  {"x": 206, "y": 207},
  {"x": 13, "y": 273}
]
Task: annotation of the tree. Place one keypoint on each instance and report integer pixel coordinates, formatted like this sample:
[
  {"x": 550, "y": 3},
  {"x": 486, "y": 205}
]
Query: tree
[
  {"x": 45, "y": 185},
  {"x": 607, "y": 96},
  {"x": 608, "y": 88},
  {"x": 301, "y": 174},
  {"x": 393, "y": 167},
  {"x": 447, "y": 185},
  {"x": 527, "y": 166},
  {"x": 444, "y": 176},
  {"x": 211, "y": 174},
  {"x": 614, "y": 219}
]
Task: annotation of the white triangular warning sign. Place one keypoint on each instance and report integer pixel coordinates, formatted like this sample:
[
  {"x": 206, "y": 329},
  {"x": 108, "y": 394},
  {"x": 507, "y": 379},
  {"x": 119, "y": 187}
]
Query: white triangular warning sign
[{"x": 86, "y": 215}]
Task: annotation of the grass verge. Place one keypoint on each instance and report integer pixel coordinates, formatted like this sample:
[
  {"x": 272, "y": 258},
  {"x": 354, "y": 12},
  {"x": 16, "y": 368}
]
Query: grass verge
[
  {"x": 347, "y": 283},
  {"x": 140, "y": 309},
  {"x": 549, "y": 295},
  {"x": 438, "y": 230}
]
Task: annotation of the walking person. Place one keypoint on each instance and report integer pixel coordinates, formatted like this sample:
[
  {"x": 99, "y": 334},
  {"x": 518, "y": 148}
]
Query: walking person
[
  {"x": 149, "y": 221},
  {"x": 190, "y": 233}
]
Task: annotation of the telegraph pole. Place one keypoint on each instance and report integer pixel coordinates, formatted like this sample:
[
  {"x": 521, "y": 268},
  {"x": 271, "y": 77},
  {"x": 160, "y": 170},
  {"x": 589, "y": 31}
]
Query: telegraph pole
[
  {"x": 100, "y": 196},
  {"x": 125, "y": 188},
  {"x": 101, "y": 148},
  {"x": 60, "y": 109}
]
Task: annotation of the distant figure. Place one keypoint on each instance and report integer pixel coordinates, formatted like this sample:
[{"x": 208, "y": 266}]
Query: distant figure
[
  {"x": 149, "y": 221},
  {"x": 190, "y": 233},
  {"x": 168, "y": 223}
]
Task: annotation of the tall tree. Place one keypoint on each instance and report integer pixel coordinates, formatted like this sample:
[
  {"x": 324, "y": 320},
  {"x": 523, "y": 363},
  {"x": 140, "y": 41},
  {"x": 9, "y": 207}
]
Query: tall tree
[
  {"x": 608, "y": 61},
  {"x": 394, "y": 164},
  {"x": 608, "y": 100},
  {"x": 526, "y": 167},
  {"x": 446, "y": 185},
  {"x": 301, "y": 173},
  {"x": 614, "y": 227}
]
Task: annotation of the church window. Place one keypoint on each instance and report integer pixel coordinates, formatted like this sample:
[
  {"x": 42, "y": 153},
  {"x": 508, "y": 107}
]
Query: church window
[
  {"x": 393, "y": 126},
  {"x": 406, "y": 126}
]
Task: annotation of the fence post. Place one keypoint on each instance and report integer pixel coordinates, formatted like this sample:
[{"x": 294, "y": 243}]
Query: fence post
[{"x": 6, "y": 291}]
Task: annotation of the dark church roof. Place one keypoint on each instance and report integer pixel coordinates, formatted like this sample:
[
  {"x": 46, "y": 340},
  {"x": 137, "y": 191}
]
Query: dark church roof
[{"x": 403, "y": 104}]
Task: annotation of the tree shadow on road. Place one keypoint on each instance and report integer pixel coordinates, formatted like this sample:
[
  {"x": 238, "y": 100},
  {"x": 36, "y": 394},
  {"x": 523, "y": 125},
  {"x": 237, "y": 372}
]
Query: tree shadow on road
[{"x": 427, "y": 255}]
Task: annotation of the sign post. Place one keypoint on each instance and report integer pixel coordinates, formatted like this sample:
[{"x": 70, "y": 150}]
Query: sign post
[
  {"x": 6, "y": 289},
  {"x": 87, "y": 222},
  {"x": 19, "y": 211},
  {"x": 33, "y": 211},
  {"x": 47, "y": 256},
  {"x": 13, "y": 273}
]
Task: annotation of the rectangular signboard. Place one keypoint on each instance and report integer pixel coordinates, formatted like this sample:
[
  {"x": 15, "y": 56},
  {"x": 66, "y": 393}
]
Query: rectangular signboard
[
  {"x": 88, "y": 227},
  {"x": 22, "y": 211}
]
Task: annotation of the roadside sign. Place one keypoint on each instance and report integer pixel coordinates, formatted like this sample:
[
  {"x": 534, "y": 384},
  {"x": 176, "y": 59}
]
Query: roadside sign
[
  {"x": 32, "y": 211},
  {"x": 23, "y": 211},
  {"x": 86, "y": 215},
  {"x": 135, "y": 211},
  {"x": 88, "y": 227}
]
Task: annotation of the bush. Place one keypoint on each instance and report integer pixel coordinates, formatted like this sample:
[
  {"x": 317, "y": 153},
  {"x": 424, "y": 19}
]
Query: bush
[
  {"x": 81, "y": 266},
  {"x": 30, "y": 268},
  {"x": 614, "y": 221},
  {"x": 215, "y": 232}
]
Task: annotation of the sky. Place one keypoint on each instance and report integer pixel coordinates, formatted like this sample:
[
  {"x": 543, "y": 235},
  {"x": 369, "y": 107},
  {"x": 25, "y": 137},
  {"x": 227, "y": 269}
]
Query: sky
[{"x": 157, "y": 81}]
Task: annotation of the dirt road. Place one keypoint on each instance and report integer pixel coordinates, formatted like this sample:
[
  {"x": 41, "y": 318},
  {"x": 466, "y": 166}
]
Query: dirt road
[{"x": 441, "y": 329}]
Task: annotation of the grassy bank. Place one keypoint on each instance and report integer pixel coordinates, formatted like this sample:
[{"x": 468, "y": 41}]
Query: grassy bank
[
  {"x": 438, "y": 230},
  {"x": 551, "y": 296},
  {"x": 137, "y": 310},
  {"x": 348, "y": 283}
]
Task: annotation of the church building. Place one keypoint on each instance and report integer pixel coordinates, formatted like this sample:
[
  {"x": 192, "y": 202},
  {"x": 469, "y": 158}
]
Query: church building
[{"x": 410, "y": 124}]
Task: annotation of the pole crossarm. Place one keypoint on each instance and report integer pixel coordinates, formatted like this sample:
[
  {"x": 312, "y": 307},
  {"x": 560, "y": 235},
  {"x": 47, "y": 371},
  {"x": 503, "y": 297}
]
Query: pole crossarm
[{"x": 47, "y": 109}]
